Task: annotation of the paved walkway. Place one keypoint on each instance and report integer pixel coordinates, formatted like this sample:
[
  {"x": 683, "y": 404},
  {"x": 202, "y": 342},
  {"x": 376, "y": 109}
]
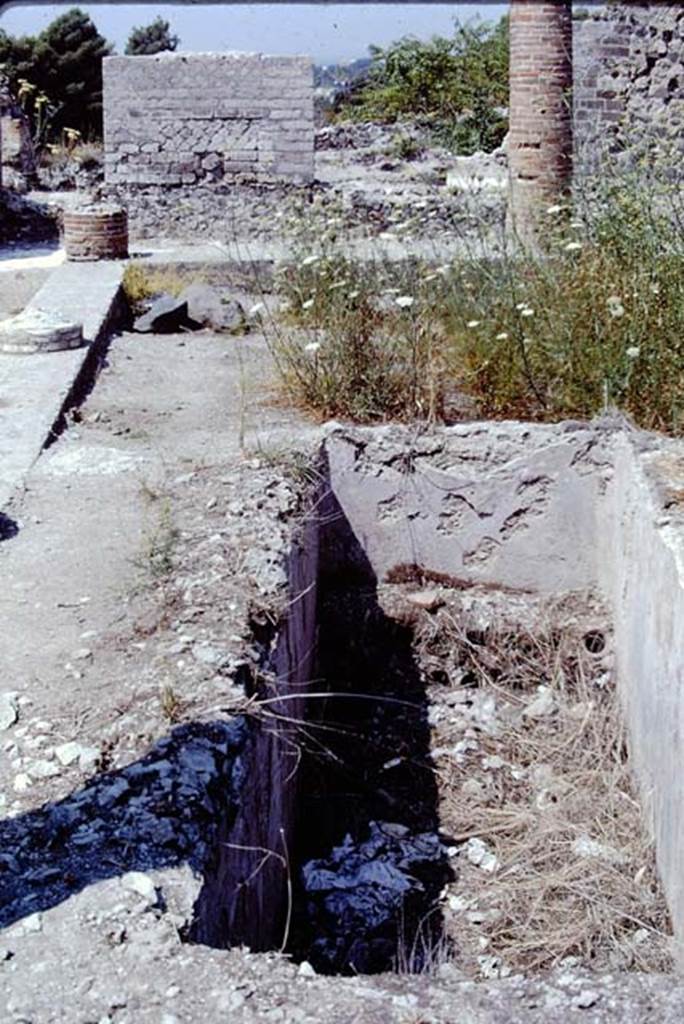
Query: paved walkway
[{"x": 34, "y": 388}]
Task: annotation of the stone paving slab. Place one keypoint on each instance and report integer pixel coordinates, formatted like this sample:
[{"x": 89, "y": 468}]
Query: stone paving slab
[{"x": 35, "y": 388}]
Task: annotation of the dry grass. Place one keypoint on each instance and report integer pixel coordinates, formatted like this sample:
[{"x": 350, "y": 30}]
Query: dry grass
[
  {"x": 141, "y": 282},
  {"x": 532, "y": 788}
]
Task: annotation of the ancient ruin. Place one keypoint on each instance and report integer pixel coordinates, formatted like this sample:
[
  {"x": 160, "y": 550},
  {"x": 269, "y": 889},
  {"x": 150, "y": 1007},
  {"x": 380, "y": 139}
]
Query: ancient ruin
[
  {"x": 310, "y": 715},
  {"x": 629, "y": 83},
  {"x": 180, "y": 119}
]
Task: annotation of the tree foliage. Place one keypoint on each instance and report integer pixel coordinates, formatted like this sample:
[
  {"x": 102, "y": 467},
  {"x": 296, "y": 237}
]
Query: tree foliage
[
  {"x": 459, "y": 84},
  {"x": 153, "y": 38},
  {"x": 63, "y": 64}
]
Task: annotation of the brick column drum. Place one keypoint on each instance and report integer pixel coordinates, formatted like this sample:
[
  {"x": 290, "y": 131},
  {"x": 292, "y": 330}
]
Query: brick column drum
[
  {"x": 540, "y": 141},
  {"x": 96, "y": 233}
]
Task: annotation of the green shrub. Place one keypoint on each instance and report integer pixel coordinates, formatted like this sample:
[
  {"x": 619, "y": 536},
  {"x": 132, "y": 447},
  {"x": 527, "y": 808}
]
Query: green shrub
[
  {"x": 458, "y": 85},
  {"x": 355, "y": 345},
  {"x": 405, "y": 147},
  {"x": 597, "y": 322}
]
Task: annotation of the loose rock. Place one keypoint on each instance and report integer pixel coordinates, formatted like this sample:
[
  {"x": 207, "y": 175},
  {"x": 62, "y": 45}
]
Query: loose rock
[{"x": 9, "y": 710}]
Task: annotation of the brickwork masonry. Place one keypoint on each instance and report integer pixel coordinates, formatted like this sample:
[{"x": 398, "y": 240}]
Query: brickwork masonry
[
  {"x": 629, "y": 84},
  {"x": 182, "y": 119}
]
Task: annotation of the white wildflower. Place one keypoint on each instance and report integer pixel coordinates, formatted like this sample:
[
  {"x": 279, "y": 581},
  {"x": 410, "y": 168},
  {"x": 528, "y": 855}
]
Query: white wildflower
[
  {"x": 573, "y": 246},
  {"x": 313, "y": 346},
  {"x": 473, "y": 323},
  {"x": 521, "y": 306},
  {"x": 308, "y": 304},
  {"x": 554, "y": 209},
  {"x": 353, "y": 295},
  {"x": 502, "y": 337},
  {"x": 615, "y": 307},
  {"x": 633, "y": 352},
  {"x": 404, "y": 301},
  {"x": 527, "y": 311}
]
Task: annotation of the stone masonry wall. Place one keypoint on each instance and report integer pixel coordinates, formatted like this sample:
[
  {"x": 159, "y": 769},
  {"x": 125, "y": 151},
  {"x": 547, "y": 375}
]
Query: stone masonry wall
[
  {"x": 179, "y": 119},
  {"x": 629, "y": 84}
]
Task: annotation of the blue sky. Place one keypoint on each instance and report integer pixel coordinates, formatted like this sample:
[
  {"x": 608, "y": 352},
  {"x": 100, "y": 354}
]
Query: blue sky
[{"x": 328, "y": 32}]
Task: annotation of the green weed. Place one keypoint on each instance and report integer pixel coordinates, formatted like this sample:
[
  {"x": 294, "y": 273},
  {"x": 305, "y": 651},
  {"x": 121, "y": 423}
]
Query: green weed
[{"x": 595, "y": 321}]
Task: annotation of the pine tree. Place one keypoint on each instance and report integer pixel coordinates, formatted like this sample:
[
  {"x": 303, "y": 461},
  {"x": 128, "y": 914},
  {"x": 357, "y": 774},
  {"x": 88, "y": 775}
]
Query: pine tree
[
  {"x": 153, "y": 38},
  {"x": 68, "y": 68}
]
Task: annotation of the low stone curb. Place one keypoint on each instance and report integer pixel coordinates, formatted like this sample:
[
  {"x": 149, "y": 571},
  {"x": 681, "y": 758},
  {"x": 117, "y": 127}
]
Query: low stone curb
[{"x": 39, "y": 384}]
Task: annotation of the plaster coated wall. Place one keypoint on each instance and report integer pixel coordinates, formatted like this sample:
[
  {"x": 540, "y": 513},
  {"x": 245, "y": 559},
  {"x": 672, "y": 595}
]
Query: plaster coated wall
[
  {"x": 550, "y": 509},
  {"x": 642, "y": 575}
]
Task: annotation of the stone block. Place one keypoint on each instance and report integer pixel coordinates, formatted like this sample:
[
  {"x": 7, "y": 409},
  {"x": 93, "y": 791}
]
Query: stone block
[{"x": 36, "y": 330}]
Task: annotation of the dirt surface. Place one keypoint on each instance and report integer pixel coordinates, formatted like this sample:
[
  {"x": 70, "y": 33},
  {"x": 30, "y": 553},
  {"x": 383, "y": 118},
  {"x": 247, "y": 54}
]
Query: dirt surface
[{"x": 130, "y": 495}]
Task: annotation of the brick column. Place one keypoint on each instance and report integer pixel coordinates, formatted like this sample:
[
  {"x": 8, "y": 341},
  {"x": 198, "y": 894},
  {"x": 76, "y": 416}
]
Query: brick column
[
  {"x": 540, "y": 141},
  {"x": 96, "y": 233}
]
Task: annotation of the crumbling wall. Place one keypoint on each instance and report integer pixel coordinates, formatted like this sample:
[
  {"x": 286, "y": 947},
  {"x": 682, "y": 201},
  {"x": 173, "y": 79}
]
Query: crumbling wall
[
  {"x": 17, "y": 157},
  {"x": 510, "y": 504},
  {"x": 180, "y": 119},
  {"x": 641, "y": 566},
  {"x": 629, "y": 83},
  {"x": 549, "y": 509},
  {"x": 245, "y": 894}
]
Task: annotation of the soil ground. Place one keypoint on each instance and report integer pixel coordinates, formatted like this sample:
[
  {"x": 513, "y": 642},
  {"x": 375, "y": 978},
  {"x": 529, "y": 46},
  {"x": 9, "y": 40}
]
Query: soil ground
[{"x": 141, "y": 477}]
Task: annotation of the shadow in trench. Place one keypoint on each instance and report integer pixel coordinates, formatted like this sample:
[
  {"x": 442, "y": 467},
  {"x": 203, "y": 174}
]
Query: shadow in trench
[
  {"x": 317, "y": 821},
  {"x": 158, "y": 812},
  {"x": 372, "y": 863}
]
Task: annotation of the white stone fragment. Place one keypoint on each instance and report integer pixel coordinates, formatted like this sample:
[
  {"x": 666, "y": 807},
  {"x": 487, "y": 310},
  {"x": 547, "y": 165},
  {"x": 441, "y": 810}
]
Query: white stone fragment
[
  {"x": 477, "y": 853},
  {"x": 429, "y": 600},
  {"x": 67, "y": 753},
  {"x": 9, "y": 710},
  {"x": 88, "y": 758},
  {"x": 140, "y": 883},
  {"x": 586, "y": 999},
  {"x": 43, "y": 769},
  {"x": 33, "y": 923},
  {"x": 543, "y": 704},
  {"x": 590, "y": 848}
]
